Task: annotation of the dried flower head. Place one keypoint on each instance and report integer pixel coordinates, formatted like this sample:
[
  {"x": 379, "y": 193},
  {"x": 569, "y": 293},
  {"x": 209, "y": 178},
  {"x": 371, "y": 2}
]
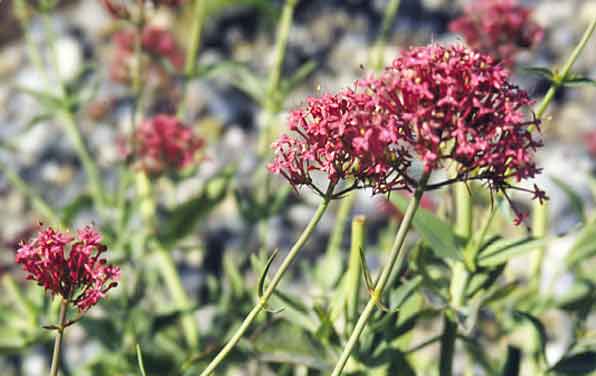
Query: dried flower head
[
  {"x": 343, "y": 137},
  {"x": 156, "y": 44},
  {"x": 500, "y": 28},
  {"x": 69, "y": 267},
  {"x": 163, "y": 143},
  {"x": 458, "y": 107}
]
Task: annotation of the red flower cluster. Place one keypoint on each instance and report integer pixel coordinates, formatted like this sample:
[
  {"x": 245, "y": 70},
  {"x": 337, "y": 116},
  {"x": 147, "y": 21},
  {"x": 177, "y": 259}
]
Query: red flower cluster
[
  {"x": 499, "y": 28},
  {"x": 164, "y": 142},
  {"x": 344, "y": 137},
  {"x": 444, "y": 104},
  {"x": 70, "y": 268},
  {"x": 156, "y": 43}
]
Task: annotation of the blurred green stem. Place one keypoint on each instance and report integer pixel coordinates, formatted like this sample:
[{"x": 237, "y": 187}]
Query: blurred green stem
[
  {"x": 167, "y": 266},
  {"x": 58, "y": 341},
  {"x": 262, "y": 303},
  {"x": 333, "y": 250},
  {"x": 192, "y": 54},
  {"x": 354, "y": 268},
  {"x": 89, "y": 165},
  {"x": 378, "y": 59},
  {"x": 68, "y": 117},
  {"x": 396, "y": 260},
  {"x": 540, "y": 222},
  {"x": 273, "y": 99},
  {"x": 459, "y": 280}
]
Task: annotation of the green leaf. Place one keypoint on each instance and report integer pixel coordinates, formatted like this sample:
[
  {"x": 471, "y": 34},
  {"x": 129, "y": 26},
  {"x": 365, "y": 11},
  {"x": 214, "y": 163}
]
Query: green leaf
[
  {"x": 140, "y": 360},
  {"x": 583, "y": 363},
  {"x": 261, "y": 288},
  {"x": 181, "y": 221},
  {"x": 577, "y": 203},
  {"x": 537, "y": 326},
  {"x": 540, "y": 71},
  {"x": 437, "y": 233},
  {"x": 502, "y": 250},
  {"x": 584, "y": 246},
  {"x": 237, "y": 75},
  {"x": 575, "y": 80},
  {"x": 49, "y": 101}
]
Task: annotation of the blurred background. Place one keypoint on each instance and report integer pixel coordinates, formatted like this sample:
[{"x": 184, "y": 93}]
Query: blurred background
[{"x": 337, "y": 38}]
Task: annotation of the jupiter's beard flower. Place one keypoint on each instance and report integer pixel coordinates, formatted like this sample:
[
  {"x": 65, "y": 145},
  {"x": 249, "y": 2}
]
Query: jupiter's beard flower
[
  {"x": 163, "y": 143},
  {"x": 343, "y": 137},
  {"x": 499, "y": 28},
  {"x": 459, "y": 107},
  {"x": 69, "y": 266},
  {"x": 156, "y": 44}
]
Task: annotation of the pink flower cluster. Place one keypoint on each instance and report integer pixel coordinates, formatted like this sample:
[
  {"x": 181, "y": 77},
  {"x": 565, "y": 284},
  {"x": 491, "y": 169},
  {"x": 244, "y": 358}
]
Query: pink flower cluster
[
  {"x": 499, "y": 28},
  {"x": 460, "y": 107},
  {"x": 157, "y": 43},
  {"x": 163, "y": 142},
  {"x": 69, "y": 267},
  {"x": 444, "y": 105},
  {"x": 344, "y": 137}
]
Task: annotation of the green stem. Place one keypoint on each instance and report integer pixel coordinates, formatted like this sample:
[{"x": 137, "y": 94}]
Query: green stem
[
  {"x": 396, "y": 260},
  {"x": 273, "y": 100},
  {"x": 270, "y": 289},
  {"x": 58, "y": 341},
  {"x": 71, "y": 127},
  {"x": 192, "y": 54},
  {"x": 355, "y": 274},
  {"x": 540, "y": 221},
  {"x": 332, "y": 253},
  {"x": 37, "y": 201},
  {"x": 459, "y": 281},
  {"x": 379, "y": 48},
  {"x": 167, "y": 267},
  {"x": 96, "y": 185}
]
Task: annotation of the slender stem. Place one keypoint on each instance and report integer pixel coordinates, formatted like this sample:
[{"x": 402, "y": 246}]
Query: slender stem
[
  {"x": 96, "y": 185},
  {"x": 270, "y": 289},
  {"x": 195, "y": 39},
  {"x": 396, "y": 260},
  {"x": 192, "y": 54},
  {"x": 72, "y": 129},
  {"x": 334, "y": 245},
  {"x": 273, "y": 100},
  {"x": 167, "y": 267},
  {"x": 540, "y": 222},
  {"x": 355, "y": 274},
  {"x": 460, "y": 278},
  {"x": 379, "y": 48},
  {"x": 58, "y": 342}
]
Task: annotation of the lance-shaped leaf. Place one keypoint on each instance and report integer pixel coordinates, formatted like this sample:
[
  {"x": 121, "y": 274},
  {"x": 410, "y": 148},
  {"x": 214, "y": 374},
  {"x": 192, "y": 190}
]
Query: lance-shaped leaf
[{"x": 437, "y": 233}]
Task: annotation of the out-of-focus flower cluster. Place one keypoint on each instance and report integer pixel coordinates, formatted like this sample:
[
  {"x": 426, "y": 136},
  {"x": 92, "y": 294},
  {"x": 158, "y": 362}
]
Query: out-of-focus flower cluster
[
  {"x": 156, "y": 43},
  {"x": 121, "y": 8},
  {"x": 445, "y": 105},
  {"x": 163, "y": 143},
  {"x": 69, "y": 267},
  {"x": 500, "y": 28},
  {"x": 344, "y": 137}
]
